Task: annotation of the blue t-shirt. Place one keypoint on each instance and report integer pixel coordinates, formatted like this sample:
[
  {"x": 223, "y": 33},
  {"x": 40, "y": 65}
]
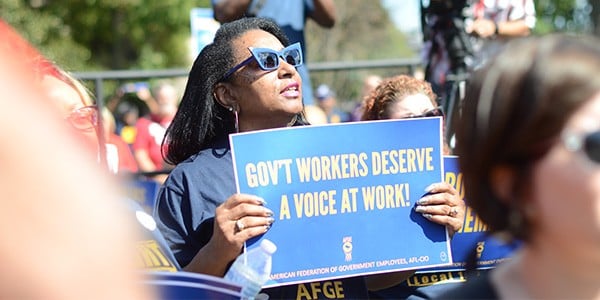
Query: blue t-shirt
[
  {"x": 185, "y": 209},
  {"x": 291, "y": 16}
]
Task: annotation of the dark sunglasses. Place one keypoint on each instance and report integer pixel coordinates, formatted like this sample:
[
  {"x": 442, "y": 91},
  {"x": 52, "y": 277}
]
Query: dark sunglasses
[
  {"x": 436, "y": 112},
  {"x": 84, "y": 118},
  {"x": 268, "y": 59},
  {"x": 589, "y": 143}
]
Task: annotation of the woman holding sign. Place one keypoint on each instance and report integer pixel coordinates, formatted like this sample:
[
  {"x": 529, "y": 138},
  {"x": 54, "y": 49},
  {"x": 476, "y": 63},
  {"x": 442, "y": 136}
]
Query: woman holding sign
[
  {"x": 405, "y": 97},
  {"x": 245, "y": 80},
  {"x": 540, "y": 183}
]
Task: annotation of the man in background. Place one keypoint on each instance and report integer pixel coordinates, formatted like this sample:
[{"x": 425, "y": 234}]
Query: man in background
[
  {"x": 327, "y": 101},
  {"x": 151, "y": 129}
]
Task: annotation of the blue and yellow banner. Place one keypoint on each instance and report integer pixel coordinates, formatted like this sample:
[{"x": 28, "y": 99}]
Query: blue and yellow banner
[
  {"x": 472, "y": 238},
  {"x": 344, "y": 195}
]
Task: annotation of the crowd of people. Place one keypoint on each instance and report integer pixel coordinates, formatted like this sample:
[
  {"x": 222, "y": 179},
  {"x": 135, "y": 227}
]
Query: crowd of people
[{"x": 252, "y": 77}]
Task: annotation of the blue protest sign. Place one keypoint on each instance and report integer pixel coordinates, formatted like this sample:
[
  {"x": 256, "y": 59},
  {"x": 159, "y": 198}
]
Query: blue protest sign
[
  {"x": 344, "y": 195},
  {"x": 472, "y": 236}
]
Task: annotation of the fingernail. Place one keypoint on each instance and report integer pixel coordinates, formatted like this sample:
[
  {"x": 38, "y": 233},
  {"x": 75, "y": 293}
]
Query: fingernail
[
  {"x": 422, "y": 201},
  {"x": 419, "y": 209},
  {"x": 270, "y": 220},
  {"x": 430, "y": 188},
  {"x": 268, "y": 212},
  {"x": 427, "y": 216},
  {"x": 262, "y": 201},
  {"x": 267, "y": 227}
]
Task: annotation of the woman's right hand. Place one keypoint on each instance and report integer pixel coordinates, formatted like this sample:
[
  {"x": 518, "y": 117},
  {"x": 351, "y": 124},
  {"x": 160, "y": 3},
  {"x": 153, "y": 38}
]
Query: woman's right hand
[{"x": 239, "y": 218}]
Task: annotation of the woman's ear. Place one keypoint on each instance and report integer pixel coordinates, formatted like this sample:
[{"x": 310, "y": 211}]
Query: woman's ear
[
  {"x": 503, "y": 183},
  {"x": 223, "y": 96}
]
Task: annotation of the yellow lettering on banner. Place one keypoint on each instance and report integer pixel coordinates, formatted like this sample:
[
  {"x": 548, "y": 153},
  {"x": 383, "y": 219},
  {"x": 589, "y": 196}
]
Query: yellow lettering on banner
[
  {"x": 329, "y": 289},
  {"x": 303, "y": 169},
  {"x": 288, "y": 169},
  {"x": 469, "y": 217},
  {"x": 153, "y": 258},
  {"x": 375, "y": 163},
  {"x": 316, "y": 168},
  {"x": 339, "y": 289},
  {"x": 425, "y": 158},
  {"x": 472, "y": 222},
  {"x": 315, "y": 204},
  {"x": 302, "y": 292},
  {"x": 316, "y": 289},
  {"x": 251, "y": 176},
  {"x": 456, "y": 181},
  {"x": 326, "y": 167},
  {"x": 266, "y": 173},
  {"x": 386, "y": 196},
  {"x": 388, "y": 162},
  {"x": 349, "y": 200},
  {"x": 284, "y": 208},
  {"x": 339, "y": 166},
  {"x": 433, "y": 278},
  {"x": 410, "y": 157}
]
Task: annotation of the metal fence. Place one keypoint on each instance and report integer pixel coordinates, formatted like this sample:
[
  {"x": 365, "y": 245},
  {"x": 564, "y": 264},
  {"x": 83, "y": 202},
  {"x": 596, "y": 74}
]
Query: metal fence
[{"x": 405, "y": 65}]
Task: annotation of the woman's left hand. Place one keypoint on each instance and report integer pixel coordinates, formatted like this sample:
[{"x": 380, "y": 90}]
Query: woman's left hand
[{"x": 443, "y": 205}]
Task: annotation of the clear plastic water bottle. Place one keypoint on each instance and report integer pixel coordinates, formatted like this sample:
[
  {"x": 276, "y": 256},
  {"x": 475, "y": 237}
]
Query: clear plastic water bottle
[{"x": 252, "y": 269}]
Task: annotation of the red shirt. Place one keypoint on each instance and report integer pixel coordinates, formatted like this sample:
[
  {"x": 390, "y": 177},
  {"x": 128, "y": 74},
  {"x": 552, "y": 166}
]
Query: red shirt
[{"x": 149, "y": 137}]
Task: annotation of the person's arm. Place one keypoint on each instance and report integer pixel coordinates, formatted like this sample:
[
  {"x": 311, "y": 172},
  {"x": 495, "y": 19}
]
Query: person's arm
[
  {"x": 140, "y": 146},
  {"x": 486, "y": 28},
  {"x": 229, "y": 10},
  {"x": 144, "y": 161},
  {"x": 145, "y": 95},
  {"x": 324, "y": 13},
  {"x": 513, "y": 28}
]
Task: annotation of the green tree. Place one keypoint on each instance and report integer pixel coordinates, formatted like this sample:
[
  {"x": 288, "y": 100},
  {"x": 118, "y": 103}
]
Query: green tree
[
  {"x": 565, "y": 16},
  {"x": 363, "y": 31},
  {"x": 108, "y": 34}
]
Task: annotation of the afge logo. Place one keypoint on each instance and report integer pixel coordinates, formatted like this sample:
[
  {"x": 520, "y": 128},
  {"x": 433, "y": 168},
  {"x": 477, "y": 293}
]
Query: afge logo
[{"x": 347, "y": 247}]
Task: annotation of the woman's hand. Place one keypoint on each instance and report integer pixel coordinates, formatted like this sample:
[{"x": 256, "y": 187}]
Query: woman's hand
[
  {"x": 238, "y": 219},
  {"x": 443, "y": 205}
]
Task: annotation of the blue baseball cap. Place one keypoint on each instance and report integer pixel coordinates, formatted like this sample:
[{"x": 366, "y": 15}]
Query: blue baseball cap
[{"x": 323, "y": 92}]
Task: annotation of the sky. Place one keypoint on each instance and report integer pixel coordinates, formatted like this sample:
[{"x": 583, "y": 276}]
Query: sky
[{"x": 404, "y": 13}]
